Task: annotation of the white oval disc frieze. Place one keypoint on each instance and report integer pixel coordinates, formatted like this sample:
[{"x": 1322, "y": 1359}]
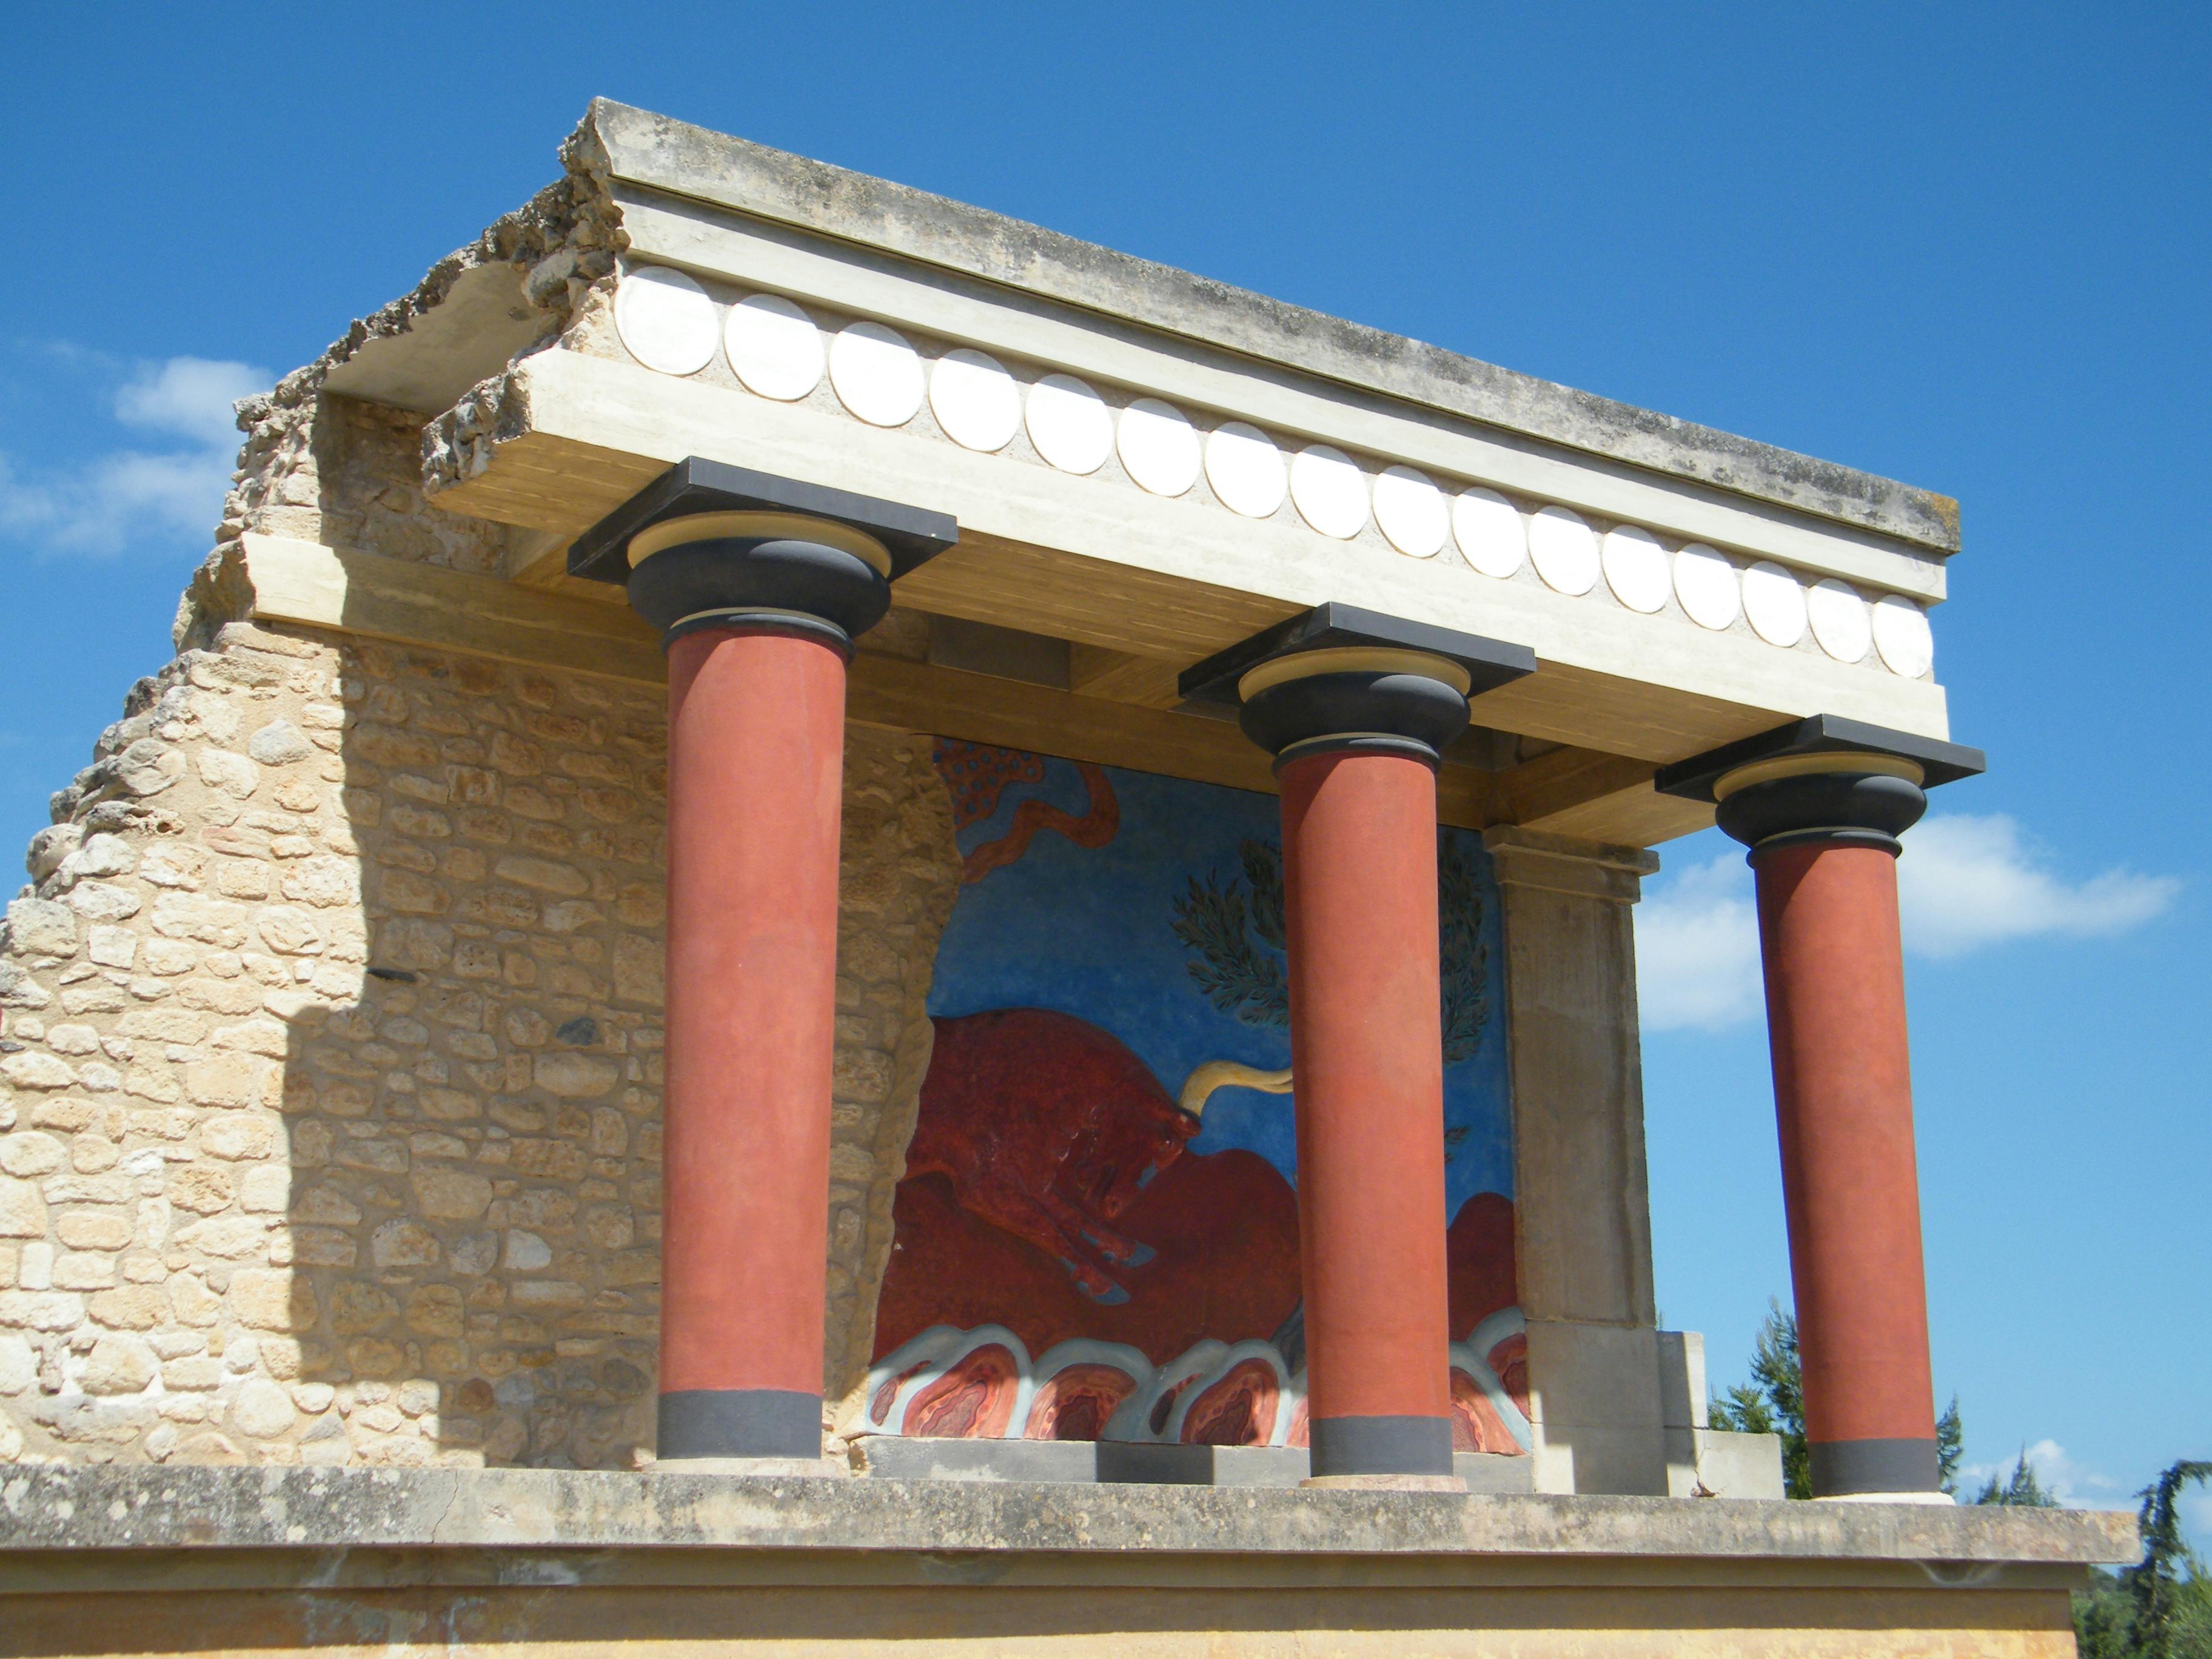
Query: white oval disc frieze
[
  {"x": 1329, "y": 490},
  {"x": 1245, "y": 469},
  {"x": 1157, "y": 446},
  {"x": 876, "y": 373},
  {"x": 1489, "y": 532},
  {"x": 666, "y": 320},
  {"x": 1636, "y": 568},
  {"x": 1411, "y": 512},
  {"x": 1070, "y": 423},
  {"x": 1705, "y": 583},
  {"x": 1839, "y": 616},
  {"x": 774, "y": 347},
  {"x": 1563, "y": 549},
  {"x": 975, "y": 399},
  {"x": 1774, "y": 602},
  {"x": 1901, "y": 634}
]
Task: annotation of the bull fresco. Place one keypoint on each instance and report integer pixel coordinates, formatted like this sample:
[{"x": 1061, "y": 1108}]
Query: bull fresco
[{"x": 1097, "y": 1234}]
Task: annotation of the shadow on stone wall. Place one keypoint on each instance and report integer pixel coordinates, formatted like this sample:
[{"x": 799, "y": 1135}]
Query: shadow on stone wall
[
  {"x": 474, "y": 1140},
  {"x": 331, "y": 1130}
]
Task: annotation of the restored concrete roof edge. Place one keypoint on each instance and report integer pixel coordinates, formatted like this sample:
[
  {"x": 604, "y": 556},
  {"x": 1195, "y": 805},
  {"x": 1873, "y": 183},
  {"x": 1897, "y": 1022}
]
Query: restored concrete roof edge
[
  {"x": 138, "y": 1507},
  {"x": 641, "y": 147}
]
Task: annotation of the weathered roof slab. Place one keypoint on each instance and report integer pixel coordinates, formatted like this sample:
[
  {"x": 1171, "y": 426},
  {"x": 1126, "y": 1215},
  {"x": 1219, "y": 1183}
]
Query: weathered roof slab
[{"x": 653, "y": 151}]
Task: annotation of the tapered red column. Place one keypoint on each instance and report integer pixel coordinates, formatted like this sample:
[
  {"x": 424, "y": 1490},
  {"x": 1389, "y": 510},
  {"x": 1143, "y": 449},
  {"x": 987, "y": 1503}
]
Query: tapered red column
[
  {"x": 759, "y": 586},
  {"x": 1842, "y": 1094},
  {"x": 756, "y": 733},
  {"x": 1360, "y": 893},
  {"x": 1356, "y": 707},
  {"x": 1821, "y": 804}
]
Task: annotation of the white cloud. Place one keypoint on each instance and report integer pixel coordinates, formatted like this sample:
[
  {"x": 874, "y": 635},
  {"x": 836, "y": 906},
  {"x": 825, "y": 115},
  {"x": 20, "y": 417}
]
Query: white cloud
[
  {"x": 107, "y": 503},
  {"x": 191, "y": 397},
  {"x": 1966, "y": 880},
  {"x": 1697, "y": 950}
]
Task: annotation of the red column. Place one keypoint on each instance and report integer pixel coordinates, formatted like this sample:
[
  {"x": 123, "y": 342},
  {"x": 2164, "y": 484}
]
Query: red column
[
  {"x": 1843, "y": 1087},
  {"x": 755, "y": 766},
  {"x": 1359, "y": 889}
]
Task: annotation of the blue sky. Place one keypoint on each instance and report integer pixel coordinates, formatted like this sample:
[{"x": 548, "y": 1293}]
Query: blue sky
[{"x": 1963, "y": 246}]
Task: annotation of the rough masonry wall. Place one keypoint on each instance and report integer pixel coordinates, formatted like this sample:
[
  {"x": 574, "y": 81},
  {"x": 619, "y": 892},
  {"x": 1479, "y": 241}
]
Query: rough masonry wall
[{"x": 331, "y": 1123}]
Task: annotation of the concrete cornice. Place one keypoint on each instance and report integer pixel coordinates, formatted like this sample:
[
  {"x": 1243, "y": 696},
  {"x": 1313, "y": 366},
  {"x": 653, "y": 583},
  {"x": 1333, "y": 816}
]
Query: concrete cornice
[
  {"x": 190, "y": 1508},
  {"x": 655, "y": 152}
]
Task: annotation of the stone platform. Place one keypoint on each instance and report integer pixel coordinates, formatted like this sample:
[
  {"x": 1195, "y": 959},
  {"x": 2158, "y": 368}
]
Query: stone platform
[{"x": 150, "y": 1561}]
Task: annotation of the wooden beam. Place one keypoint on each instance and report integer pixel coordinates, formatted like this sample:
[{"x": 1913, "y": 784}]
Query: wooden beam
[
  {"x": 1124, "y": 677},
  {"x": 409, "y": 603},
  {"x": 1089, "y": 561},
  {"x": 1118, "y": 607},
  {"x": 1598, "y": 797},
  {"x": 910, "y": 696}
]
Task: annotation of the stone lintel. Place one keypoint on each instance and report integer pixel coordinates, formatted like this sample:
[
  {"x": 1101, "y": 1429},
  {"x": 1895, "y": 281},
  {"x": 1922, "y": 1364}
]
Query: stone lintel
[
  {"x": 677, "y": 159},
  {"x": 1562, "y": 864},
  {"x": 130, "y": 1510}
]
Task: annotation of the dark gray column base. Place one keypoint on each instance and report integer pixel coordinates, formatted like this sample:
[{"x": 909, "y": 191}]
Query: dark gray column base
[
  {"x": 1845, "y": 1469},
  {"x": 738, "y": 1423},
  {"x": 1382, "y": 1445}
]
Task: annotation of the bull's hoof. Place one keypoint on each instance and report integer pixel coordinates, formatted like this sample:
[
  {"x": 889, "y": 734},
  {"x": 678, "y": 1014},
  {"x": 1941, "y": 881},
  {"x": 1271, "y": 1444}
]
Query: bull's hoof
[
  {"x": 1095, "y": 1285},
  {"x": 1122, "y": 1253}
]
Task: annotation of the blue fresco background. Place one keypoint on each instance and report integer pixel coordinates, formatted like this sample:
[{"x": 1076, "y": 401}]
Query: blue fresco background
[{"x": 1089, "y": 931}]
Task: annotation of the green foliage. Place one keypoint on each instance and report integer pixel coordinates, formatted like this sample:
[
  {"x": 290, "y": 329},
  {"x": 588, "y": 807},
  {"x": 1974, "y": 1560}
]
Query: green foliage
[
  {"x": 1233, "y": 930},
  {"x": 2021, "y": 1488},
  {"x": 2161, "y": 1607},
  {"x": 1773, "y": 1401},
  {"x": 1950, "y": 1447},
  {"x": 2170, "y": 1608}
]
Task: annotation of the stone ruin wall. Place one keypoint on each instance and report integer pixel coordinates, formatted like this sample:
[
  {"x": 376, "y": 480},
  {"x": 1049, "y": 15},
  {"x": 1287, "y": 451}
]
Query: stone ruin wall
[
  {"x": 332, "y": 1119},
  {"x": 330, "y": 1024}
]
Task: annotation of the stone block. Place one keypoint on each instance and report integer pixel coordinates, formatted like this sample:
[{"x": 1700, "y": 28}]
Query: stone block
[
  {"x": 1594, "y": 1402},
  {"x": 1720, "y": 1463},
  {"x": 1683, "y": 1395},
  {"x": 23, "y": 1209},
  {"x": 119, "y": 1363},
  {"x": 41, "y": 927},
  {"x": 28, "y": 1152}
]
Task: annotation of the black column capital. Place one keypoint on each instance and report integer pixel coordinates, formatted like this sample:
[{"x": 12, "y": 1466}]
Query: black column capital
[
  {"x": 1823, "y": 780},
  {"x": 710, "y": 545},
  {"x": 1338, "y": 680}
]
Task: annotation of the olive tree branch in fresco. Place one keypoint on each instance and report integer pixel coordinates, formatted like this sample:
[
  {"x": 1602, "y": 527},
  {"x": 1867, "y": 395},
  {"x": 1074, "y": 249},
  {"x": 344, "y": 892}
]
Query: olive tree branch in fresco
[
  {"x": 1234, "y": 931},
  {"x": 1465, "y": 957},
  {"x": 1238, "y": 977}
]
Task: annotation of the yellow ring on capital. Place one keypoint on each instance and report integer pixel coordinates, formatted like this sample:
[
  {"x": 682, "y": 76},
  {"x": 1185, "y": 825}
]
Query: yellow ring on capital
[
  {"x": 794, "y": 527},
  {"x": 1803, "y": 766},
  {"x": 1352, "y": 660}
]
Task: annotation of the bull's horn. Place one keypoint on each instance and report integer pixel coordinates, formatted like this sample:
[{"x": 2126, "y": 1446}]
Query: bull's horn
[{"x": 1197, "y": 1088}]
